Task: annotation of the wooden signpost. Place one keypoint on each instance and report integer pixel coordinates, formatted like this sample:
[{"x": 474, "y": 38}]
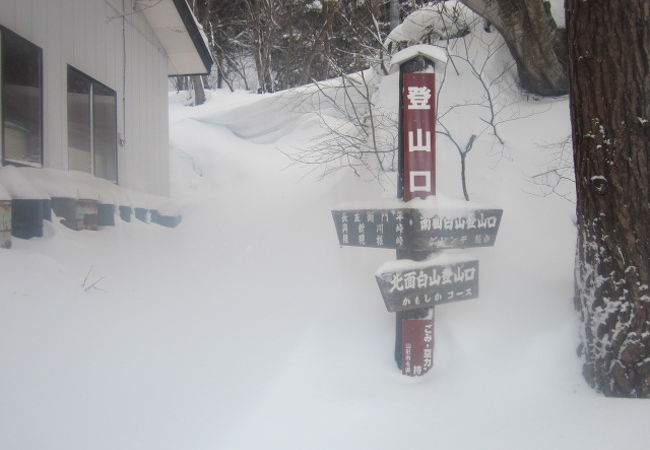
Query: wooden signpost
[{"x": 412, "y": 288}]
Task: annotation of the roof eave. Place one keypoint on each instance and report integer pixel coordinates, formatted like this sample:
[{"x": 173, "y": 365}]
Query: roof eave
[{"x": 195, "y": 34}]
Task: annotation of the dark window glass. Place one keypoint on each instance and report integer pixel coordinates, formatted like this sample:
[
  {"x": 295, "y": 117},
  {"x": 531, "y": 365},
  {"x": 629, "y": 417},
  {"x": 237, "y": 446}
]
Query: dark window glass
[
  {"x": 105, "y": 131},
  {"x": 79, "y": 146},
  {"x": 92, "y": 126},
  {"x": 22, "y": 94}
]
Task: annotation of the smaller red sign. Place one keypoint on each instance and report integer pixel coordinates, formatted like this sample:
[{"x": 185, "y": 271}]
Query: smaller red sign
[{"x": 417, "y": 346}]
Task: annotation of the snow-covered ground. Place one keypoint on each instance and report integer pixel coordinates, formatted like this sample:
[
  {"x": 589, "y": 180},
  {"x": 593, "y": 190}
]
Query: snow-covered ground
[{"x": 248, "y": 327}]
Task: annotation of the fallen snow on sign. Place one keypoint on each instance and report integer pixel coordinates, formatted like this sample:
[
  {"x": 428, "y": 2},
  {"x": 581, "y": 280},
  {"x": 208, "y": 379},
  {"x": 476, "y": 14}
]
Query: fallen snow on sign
[
  {"x": 437, "y": 54},
  {"x": 440, "y": 259},
  {"x": 430, "y": 205}
]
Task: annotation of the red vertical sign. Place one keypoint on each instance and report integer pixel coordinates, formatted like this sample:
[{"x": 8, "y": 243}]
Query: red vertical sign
[
  {"x": 417, "y": 346},
  {"x": 419, "y": 135}
]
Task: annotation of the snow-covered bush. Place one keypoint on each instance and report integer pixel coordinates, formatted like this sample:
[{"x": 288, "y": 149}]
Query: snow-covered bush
[{"x": 432, "y": 23}]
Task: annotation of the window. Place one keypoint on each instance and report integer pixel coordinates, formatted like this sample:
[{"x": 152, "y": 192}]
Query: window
[
  {"x": 92, "y": 126},
  {"x": 79, "y": 145},
  {"x": 22, "y": 100}
]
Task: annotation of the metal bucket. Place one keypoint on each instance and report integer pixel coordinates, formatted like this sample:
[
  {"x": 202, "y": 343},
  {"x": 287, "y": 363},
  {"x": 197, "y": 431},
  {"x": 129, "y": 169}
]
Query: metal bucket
[
  {"x": 87, "y": 213},
  {"x": 27, "y": 218}
]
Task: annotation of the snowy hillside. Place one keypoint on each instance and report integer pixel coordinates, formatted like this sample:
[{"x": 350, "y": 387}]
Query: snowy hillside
[{"x": 248, "y": 327}]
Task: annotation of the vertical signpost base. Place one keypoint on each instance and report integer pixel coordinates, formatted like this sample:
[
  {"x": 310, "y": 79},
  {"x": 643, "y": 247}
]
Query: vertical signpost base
[
  {"x": 417, "y": 344},
  {"x": 409, "y": 329}
]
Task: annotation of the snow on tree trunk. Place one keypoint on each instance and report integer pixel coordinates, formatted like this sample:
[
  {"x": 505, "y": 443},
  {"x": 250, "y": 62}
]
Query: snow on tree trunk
[
  {"x": 535, "y": 42},
  {"x": 609, "y": 72}
]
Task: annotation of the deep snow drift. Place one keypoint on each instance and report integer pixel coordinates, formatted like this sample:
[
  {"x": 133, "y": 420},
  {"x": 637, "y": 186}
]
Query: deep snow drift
[{"x": 248, "y": 327}]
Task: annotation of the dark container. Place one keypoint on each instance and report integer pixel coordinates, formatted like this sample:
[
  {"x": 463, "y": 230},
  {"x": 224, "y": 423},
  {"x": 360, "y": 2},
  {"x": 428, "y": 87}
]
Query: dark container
[
  {"x": 5, "y": 223},
  {"x": 66, "y": 209},
  {"x": 125, "y": 213},
  {"x": 27, "y": 218},
  {"x": 106, "y": 215},
  {"x": 165, "y": 221},
  {"x": 141, "y": 214},
  {"x": 87, "y": 212}
]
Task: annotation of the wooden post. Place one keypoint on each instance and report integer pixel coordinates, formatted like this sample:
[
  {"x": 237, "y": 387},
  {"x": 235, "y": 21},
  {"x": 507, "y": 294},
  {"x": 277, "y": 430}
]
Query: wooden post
[{"x": 415, "y": 65}]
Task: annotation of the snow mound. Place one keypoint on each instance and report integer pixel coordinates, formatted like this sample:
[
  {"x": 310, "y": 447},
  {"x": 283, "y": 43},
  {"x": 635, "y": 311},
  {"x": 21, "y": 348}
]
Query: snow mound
[
  {"x": 444, "y": 20},
  {"x": 18, "y": 185},
  {"x": 265, "y": 119}
]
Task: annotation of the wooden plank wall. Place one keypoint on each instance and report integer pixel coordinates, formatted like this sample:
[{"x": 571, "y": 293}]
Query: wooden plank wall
[{"x": 87, "y": 34}]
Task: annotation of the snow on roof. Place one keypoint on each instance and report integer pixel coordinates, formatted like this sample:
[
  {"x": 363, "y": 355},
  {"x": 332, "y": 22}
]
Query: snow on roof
[
  {"x": 181, "y": 36},
  {"x": 436, "y": 54}
]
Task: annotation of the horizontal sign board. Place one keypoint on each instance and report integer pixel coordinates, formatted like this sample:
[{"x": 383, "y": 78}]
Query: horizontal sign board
[
  {"x": 382, "y": 228},
  {"x": 424, "y": 287},
  {"x": 391, "y": 228}
]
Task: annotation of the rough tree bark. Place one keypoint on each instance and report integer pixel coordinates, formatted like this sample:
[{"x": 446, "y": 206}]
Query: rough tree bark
[
  {"x": 261, "y": 16},
  {"x": 609, "y": 74},
  {"x": 535, "y": 42},
  {"x": 199, "y": 92}
]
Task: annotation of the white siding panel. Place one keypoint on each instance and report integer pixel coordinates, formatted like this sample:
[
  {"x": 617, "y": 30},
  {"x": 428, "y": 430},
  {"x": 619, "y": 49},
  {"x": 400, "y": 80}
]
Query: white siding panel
[
  {"x": 8, "y": 13},
  {"x": 88, "y": 34},
  {"x": 54, "y": 87},
  {"x": 67, "y": 32},
  {"x": 101, "y": 55},
  {"x": 24, "y": 19},
  {"x": 39, "y": 22},
  {"x": 76, "y": 11}
]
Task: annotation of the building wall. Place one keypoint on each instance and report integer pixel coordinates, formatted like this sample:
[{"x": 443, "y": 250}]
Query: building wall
[{"x": 119, "y": 50}]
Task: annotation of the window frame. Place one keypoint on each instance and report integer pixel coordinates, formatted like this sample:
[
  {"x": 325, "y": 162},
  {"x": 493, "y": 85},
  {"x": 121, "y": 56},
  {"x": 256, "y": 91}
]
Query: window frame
[
  {"x": 91, "y": 111},
  {"x": 13, "y": 162}
]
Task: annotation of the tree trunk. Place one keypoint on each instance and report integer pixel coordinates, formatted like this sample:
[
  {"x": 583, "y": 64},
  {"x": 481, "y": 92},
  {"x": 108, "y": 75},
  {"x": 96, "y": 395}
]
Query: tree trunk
[
  {"x": 394, "y": 14},
  {"x": 262, "y": 26},
  {"x": 609, "y": 73},
  {"x": 535, "y": 42},
  {"x": 199, "y": 93}
]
